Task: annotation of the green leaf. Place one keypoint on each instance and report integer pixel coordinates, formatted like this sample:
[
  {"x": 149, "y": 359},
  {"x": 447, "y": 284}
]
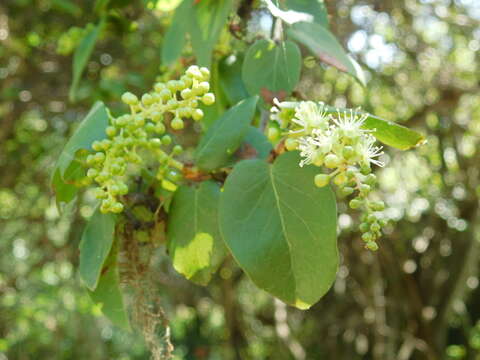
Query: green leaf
[
  {"x": 316, "y": 8},
  {"x": 194, "y": 240},
  {"x": 270, "y": 66},
  {"x": 225, "y": 135},
  {"x": 281, "y": 228},
  {"x": 208, "y": 19},
  {"x": 230, "y": 79},
  {"x": 82, "y": 54},
  {"x": 67, "y": 169},
  {"x": 175, "y": 37},
  {"x": 323, "y": 44},
  {"x": 95, "y": 246},
  {"x": 388, "y": 132},
  {"x": 108, "y": 294}
]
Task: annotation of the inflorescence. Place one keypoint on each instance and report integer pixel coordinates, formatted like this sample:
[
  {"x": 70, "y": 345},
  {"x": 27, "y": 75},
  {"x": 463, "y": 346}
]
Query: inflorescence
[
  {"x": 144, "y": 128},
  {"x": 336, "y": 141}
]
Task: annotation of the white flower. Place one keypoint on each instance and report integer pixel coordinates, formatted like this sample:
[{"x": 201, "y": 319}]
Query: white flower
[
  {"x": 316, "y": 145},
  {"x": 310, "y": 115},
  {"x": 368, "y": 151},
  {"x": 350, "y": 123}
]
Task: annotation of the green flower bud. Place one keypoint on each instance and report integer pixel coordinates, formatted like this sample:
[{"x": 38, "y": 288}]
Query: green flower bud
[
  {"x": 97, "y": 145},
  {"x": 177, "y": 149},
  {"x": 186, "y": 94},
  {"x": 110, "y": 131},
  {"x": 364, "y": 188},
  {"x": 166, "y": 140},
  {"x": 155, "y": 142},
  {"x": 364, "y": 227},
  {"x": 273, "y": 133},
  {"x": 372, "y": 245},
  {"x": 291, "y": 144},
  {"x": 368, "y": 236},
  {"x": 375, "y": 227},
  {"x": 159, "y": 87},
  {"x": 172, "y": 85},
  {"x": 123, "y": 189},
  {"x": 156, "y": 116},
  {"x": 355, "y": 203},
  {"x": 177, "y": 124},
  {"x": 370, "y": 179},
  {"x": 205, "y": 72},
  {"x": 348, "y": 152},
  {"x": 332, "y": 161},
  {"x": 129, "y": 98},
  {"x": 150, "y": 127},
  {"x": 322, "y": 180},
  {"x": 117, "y": 208},
  {"x": 165, "y": 95},
  {"x": 147, "y": 99},
  {"x": 168, "y": 185},
  {"x": 197, "y": 114},
  {"x": 208, "y": 98},
  {"x": 100, "y": 194},
  {"x": 378, "y": 205},
  {"x": 160, "y": 128},
  {"x": 347, "y": 191},
  {"x": 186, "y": 80},
  {"x": 340, "y": 179},
  {"x": 99, "y": 157},
  {"x": 92, "y": 173},
  {"x": 194, "y": 72}
]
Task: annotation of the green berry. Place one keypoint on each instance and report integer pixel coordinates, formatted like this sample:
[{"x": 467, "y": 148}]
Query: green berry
[
  {"x": 177, "y": 124},
  {"x": 208, "y": 98},
  {"x": 129, "y": 98},
  {"x": 371, "y": 245},
  {"x": 375, "y": 227},
  {"x": 364, "y": 188},
  {"x": 322, "y": 180}
]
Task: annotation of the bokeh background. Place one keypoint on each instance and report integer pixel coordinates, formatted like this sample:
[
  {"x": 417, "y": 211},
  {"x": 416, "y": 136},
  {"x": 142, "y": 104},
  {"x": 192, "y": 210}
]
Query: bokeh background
[{"x": 418, "y": 297}]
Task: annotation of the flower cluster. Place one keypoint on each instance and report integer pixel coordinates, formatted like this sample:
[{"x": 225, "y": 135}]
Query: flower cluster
[
  {"x": 144, "y": 128},
  {"x": 337, "y": 141}
]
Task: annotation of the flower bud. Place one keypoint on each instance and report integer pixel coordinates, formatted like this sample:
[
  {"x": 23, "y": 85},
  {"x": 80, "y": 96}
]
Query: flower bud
[
  {"x": 177, "y": 124},
  {"x": 322, "y": 180},
  {"x": 197, "y": 114},
  {"x": 129, "y": 98},
  {"x": 208, "y": 98}
]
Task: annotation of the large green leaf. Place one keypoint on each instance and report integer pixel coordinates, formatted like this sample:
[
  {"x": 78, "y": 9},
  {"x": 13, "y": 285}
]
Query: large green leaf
[
  {"x": 323, "y": 44},
  {"x": 95, "y": 246},
  {"x": 82, "y": 54},
  {"x": 207, "y": 22},
  {"x": 174, "y": 40},
  {"x": 316, "y": 8},
  {"x": 108, "y": 294},
  {"x": 225, "y": 135},
  {"x": 271, "y": 66},
  {"x": 67, "y": 168},
  {"x": 388, "y": 132},
  {"x": 194, "y": 240},
  {"x": 281, "y": 228}
]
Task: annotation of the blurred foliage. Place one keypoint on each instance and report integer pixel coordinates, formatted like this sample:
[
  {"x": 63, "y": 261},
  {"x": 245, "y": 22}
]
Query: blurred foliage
[{"x": 416, "y": 298}]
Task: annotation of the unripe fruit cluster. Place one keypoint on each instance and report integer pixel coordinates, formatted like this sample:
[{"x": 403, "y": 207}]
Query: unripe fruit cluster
[
  {"x": 336, "y": 141},
  {"x": 144, "y": 128}
]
